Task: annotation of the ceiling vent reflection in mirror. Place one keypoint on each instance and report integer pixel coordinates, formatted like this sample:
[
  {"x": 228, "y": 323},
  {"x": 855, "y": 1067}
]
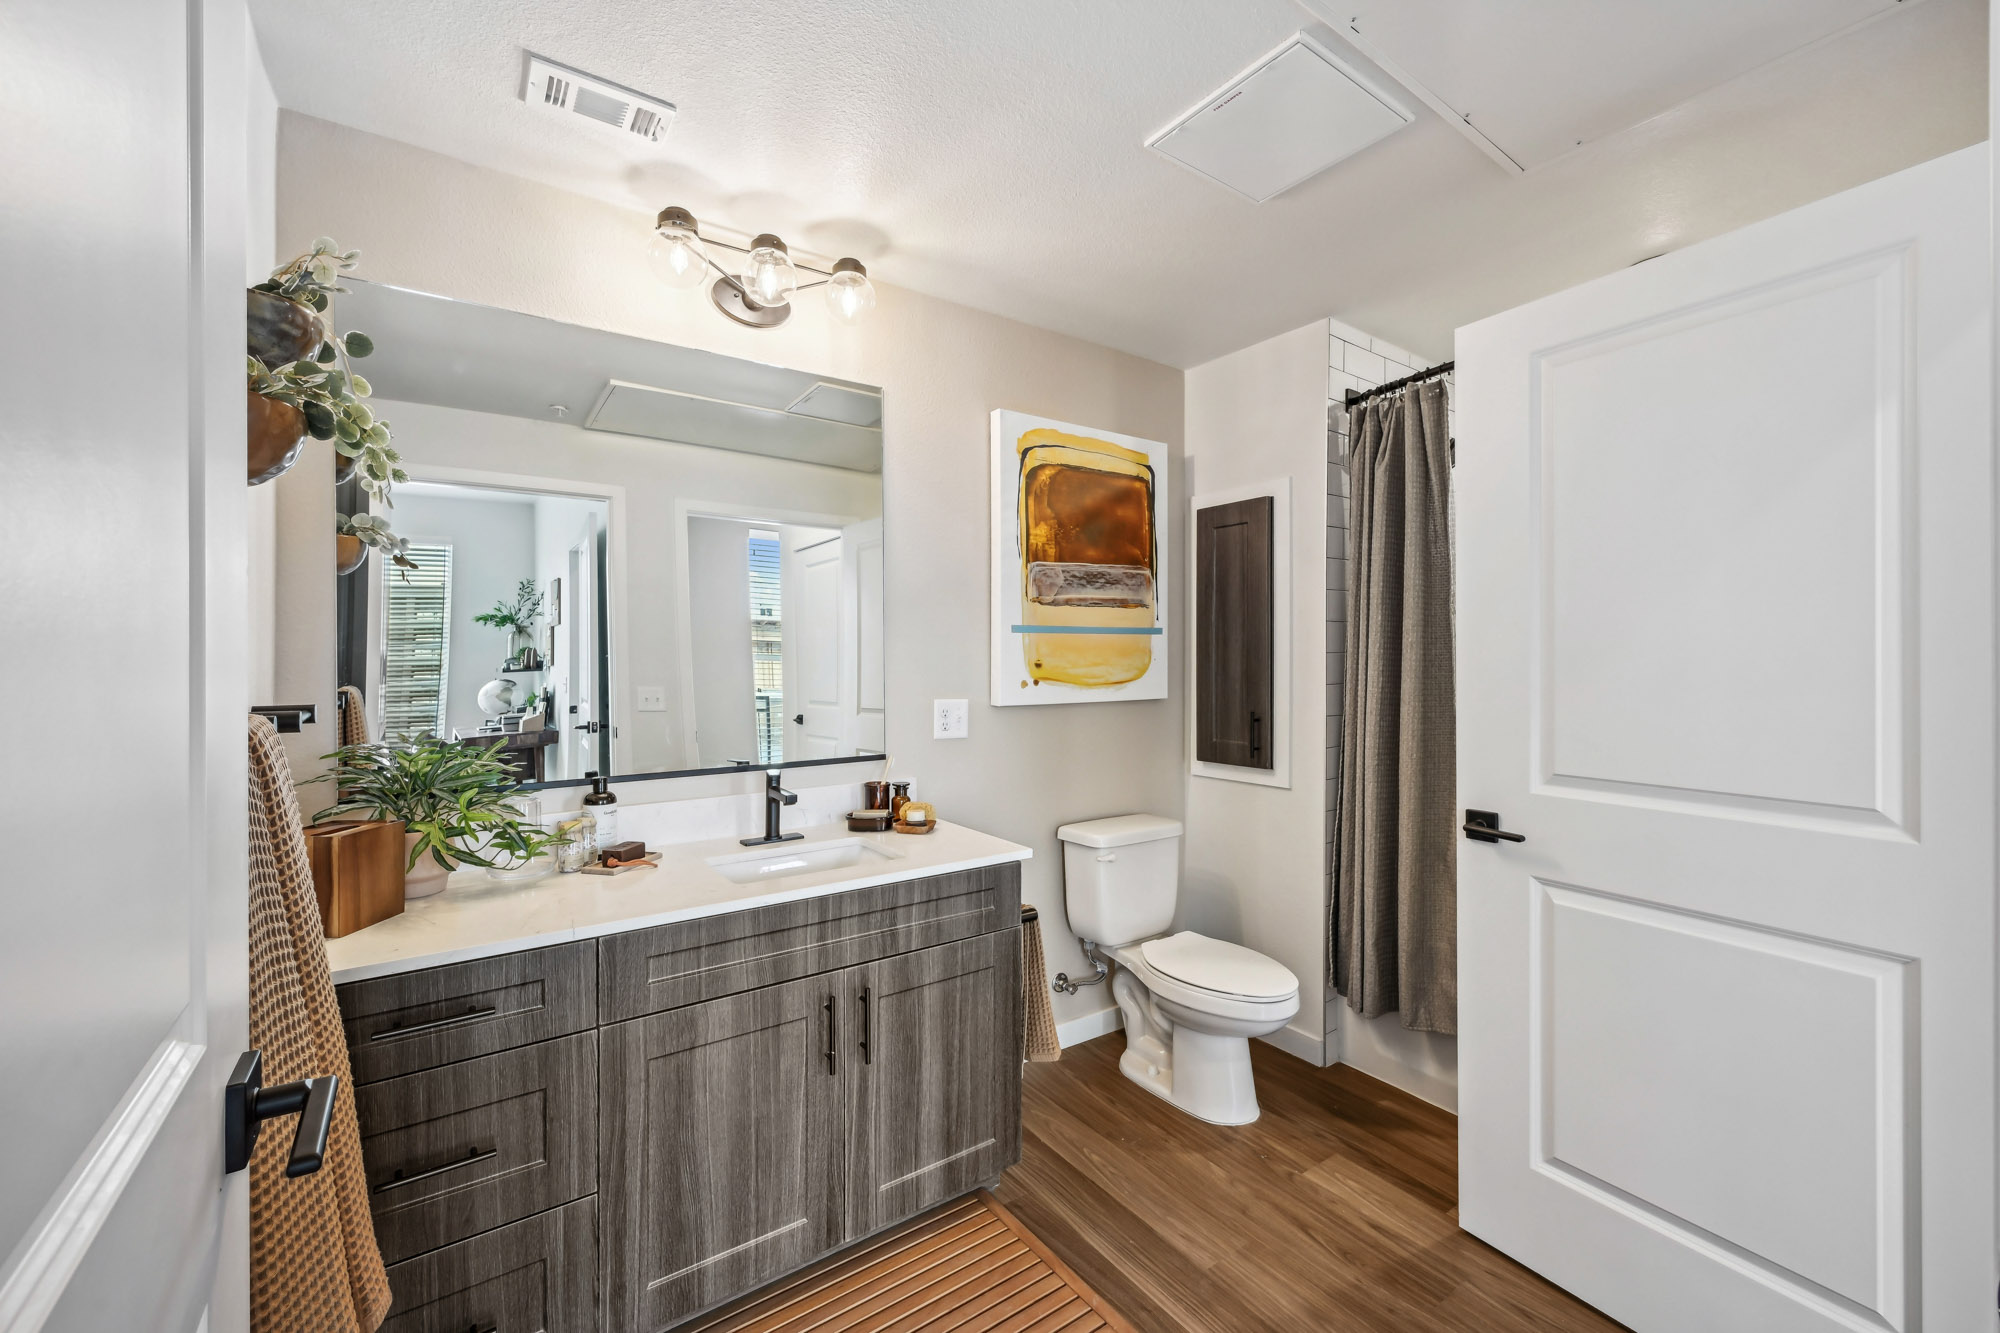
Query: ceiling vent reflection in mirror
[{"x": 564, "y": 91}]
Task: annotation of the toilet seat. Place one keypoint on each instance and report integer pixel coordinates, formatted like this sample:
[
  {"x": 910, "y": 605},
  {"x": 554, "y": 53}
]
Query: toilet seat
[
  {"x": 1220, "y": 967},
  {"x": 1275, "y": 1008}
]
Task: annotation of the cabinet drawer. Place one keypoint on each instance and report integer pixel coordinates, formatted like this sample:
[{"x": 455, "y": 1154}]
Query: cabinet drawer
[
  {"x": 665, "y": 967},
  {"x": 455, "y": 1151},
  {"x": 535, "y": 1276},
  {"x": 420, "y": 1020}
]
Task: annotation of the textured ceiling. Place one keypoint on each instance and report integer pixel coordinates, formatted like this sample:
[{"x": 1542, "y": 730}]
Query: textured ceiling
[{"x": 992, "y": 154}]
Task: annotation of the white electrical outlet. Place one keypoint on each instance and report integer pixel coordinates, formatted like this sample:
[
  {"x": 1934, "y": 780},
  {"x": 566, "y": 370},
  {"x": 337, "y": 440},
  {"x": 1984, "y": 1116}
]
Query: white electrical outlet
[
  {"x": 951, "y": 720},
  {"x": 652, "y": 699}
]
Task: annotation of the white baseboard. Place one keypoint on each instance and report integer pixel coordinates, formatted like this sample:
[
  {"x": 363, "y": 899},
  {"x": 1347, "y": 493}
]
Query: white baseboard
[
  {"x": 1089, "y": 1026},
  {"x": 1294, "y": 1041}
]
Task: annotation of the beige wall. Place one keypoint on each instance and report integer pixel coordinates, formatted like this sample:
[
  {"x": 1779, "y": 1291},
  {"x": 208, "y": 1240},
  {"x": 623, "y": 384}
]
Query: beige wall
[
  {"x": 1254, "y": 868},
  {"x": 443, "y": 226}
]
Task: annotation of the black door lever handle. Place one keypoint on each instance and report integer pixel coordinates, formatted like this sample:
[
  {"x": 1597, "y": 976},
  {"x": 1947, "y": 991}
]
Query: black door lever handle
[
  {"x": 247, "y": 1104},
  {"x": 1484, "y": 826}
]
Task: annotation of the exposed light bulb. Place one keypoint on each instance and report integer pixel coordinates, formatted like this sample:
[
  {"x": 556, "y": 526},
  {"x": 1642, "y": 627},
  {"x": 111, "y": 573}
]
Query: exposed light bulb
[
  {"x": 675, "y": 252},
  {"x": 770, "y": 278},
  {"x": 849, "y": 294}
]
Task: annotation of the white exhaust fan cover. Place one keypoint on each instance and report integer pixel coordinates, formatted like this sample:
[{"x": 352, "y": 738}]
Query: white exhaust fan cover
[
  {"x": 1287, "y": 118},
  {"x": 560, "y": 90}
]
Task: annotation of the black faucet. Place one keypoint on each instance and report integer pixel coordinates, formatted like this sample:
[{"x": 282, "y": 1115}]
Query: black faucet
[{"x": 776, "y": 798}]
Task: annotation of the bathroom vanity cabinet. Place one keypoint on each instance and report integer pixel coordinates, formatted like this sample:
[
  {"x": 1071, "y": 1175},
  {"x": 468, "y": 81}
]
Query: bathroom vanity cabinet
[{"x": 622, "y": 1132}]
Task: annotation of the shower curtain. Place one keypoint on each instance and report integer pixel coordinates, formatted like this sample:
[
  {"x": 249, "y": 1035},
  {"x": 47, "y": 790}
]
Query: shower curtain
[{"x": 1395, "y": 889}]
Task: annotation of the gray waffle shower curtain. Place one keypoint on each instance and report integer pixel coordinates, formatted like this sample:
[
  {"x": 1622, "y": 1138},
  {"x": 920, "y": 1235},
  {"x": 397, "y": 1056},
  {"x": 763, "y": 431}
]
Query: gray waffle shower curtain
[{"x": 1395, "y": 887}]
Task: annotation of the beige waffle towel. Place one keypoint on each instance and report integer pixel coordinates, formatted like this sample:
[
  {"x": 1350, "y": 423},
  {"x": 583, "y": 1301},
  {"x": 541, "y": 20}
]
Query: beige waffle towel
[
  {"x": 353, "y": 718},
  {"x": 314, "y": 1265},
  {"x": 1038, "y": 1018}
]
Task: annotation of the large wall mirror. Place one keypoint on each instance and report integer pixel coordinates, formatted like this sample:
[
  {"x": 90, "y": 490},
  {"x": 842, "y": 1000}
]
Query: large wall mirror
[{"x": 628, "y": 558}]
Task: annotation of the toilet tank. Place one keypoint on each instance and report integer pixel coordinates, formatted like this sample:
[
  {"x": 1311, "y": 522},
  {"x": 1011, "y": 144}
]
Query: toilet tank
[{"x": 1121, "y": 876}]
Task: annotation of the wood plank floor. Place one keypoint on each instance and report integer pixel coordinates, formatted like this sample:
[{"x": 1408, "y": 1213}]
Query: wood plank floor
[
  {"x": 1336, "y": 1211},
  {"x": 969, "y": 1267}
]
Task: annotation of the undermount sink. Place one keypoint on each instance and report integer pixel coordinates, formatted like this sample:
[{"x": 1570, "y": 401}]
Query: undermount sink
[{"x": 797, "y": 858}]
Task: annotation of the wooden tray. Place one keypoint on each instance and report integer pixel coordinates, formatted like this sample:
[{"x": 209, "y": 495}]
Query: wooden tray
[{"x": 652, "y": 859}]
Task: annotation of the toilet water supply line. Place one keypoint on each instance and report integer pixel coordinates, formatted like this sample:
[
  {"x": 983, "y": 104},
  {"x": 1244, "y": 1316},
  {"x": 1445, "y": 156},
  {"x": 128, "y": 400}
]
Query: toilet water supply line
[{"x": 1062, "y": 985}]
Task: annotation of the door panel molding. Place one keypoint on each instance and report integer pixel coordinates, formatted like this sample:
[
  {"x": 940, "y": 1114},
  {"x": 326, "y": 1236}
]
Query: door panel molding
[
  {"x": 1779, "y": 311},
  {"x": 1887, "y": 987},
  {"x": 61, "y": 1234}
]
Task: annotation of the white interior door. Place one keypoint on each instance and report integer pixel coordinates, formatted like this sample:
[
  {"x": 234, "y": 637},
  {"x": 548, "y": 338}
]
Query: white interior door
[
  {"x": 581, "y": 746},
  {"x": 814, "y": 715},
  {"x": 1726, "y": 621},
  {"x": 863, "y": 608},
  {"x": 122, "y": 966}
]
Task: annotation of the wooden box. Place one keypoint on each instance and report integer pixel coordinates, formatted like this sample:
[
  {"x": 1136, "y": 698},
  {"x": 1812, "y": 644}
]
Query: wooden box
[{"x": 357, "y": 870}]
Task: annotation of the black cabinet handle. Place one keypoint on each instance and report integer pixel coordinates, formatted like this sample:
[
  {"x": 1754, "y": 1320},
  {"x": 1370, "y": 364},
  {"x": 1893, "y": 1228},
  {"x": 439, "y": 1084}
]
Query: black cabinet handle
[
  {"x": 247, "y": 1104},
  {"x": 400, "y": 1178},
  {"x": 396, "y": 1030},
  {"x": 1484, "y": 826},
  {"x": 867, "y": 1025},
  {"x": 1256, "y": 734},
  {"x": 799, "y": 718},
  {"x": 832, "y": 1035}
]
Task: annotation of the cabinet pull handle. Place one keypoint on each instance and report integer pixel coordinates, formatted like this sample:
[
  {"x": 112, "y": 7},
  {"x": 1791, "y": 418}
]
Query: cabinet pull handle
[
  {"x": 1256, "y": 734},
  {"x": 471, "y": 1015},
  {"x": 401, "y": 1178},
  {"x": 832, "y": 1035},
  {"x": 867, "y": 1026}
]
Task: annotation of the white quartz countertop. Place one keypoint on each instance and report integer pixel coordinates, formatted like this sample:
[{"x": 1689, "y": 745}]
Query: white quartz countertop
[{"x": 478, "y": 916}]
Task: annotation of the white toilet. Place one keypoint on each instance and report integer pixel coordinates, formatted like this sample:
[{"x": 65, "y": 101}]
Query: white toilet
[{"x": 1191, "y": 1004}]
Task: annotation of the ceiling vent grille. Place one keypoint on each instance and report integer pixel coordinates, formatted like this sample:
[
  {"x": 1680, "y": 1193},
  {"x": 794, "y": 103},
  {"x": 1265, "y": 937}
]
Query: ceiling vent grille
[{"x": 564, "y": 91}]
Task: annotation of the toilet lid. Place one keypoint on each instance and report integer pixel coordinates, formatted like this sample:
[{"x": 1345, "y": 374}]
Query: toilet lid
[{"x": 1217, "y": 965}]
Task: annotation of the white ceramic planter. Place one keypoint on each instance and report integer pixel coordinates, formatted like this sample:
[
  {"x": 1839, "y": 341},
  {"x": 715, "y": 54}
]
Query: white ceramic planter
[{"x": 426, "y": 877}]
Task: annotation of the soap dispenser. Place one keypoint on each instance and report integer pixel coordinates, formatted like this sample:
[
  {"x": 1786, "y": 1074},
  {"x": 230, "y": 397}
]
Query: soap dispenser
[{"x": 602, "y": 805}]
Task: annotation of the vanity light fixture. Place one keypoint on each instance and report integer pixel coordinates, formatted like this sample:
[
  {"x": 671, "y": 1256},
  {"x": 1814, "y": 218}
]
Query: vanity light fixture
[{"x": 761, "y": 295}]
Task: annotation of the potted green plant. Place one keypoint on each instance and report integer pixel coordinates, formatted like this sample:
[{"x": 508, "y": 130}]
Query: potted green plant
[
  {"x": 455, "y": 802},
  {"x": 355, "y": 537},
  {"x": 302, "y": 378},
  {"x": 519, "y": 619}
]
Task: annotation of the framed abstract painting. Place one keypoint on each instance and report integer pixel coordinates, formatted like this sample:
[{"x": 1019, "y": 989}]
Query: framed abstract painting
[{"x": 1080, "y": 564}]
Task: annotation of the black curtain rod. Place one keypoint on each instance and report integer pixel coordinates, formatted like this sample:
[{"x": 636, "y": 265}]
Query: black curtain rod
[{"x": 1363, "y": 395}]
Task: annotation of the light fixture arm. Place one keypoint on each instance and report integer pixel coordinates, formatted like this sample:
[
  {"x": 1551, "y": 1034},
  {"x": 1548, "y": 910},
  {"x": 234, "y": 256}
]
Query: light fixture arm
[{"x": 825, "y": 274}]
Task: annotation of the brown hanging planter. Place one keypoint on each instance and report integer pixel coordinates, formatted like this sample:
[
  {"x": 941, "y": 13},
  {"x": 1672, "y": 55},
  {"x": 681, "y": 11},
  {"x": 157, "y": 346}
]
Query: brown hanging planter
[
  {"x": 349, "y": 553},
  {"x": 277, "y": 434},
  {"x": 281, "y": 331},
  {"x": 343, "y": 468}
]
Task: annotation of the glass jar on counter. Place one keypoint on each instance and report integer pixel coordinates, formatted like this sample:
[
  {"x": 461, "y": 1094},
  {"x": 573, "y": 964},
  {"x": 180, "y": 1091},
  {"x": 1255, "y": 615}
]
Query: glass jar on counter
[{"x": 581, "y": 849}]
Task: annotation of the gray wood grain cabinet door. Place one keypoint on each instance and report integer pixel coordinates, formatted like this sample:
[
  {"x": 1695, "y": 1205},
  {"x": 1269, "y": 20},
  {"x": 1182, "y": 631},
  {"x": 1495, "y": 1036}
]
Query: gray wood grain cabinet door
[
  {"x": 721, "y": 1141},
  {"x": 934, "y": 1089},
  {"x": 1232, "y": 634},
  {"x": 455, "y": 1151},
  {"x": 535, "y": 1276}
]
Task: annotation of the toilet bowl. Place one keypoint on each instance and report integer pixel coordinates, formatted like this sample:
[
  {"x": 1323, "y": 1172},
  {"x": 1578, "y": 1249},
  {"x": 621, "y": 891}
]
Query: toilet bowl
[{"x": 1190, "y": 1003}]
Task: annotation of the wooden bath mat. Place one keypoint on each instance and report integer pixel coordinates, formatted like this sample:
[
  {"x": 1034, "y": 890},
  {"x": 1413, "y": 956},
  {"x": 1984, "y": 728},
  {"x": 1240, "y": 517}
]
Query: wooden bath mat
[{"x": 969, "y": 1267}]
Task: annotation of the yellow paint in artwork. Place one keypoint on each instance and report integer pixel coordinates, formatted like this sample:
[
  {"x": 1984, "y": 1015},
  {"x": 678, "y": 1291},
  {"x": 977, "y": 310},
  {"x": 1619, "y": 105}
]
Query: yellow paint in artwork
[{"x": 1089, "y": 554}]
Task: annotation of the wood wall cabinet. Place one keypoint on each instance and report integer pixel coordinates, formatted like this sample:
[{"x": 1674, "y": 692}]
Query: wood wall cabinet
[
  {"x": 623, "y": 1133},
  {"x": 1233, "y": 634}
]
